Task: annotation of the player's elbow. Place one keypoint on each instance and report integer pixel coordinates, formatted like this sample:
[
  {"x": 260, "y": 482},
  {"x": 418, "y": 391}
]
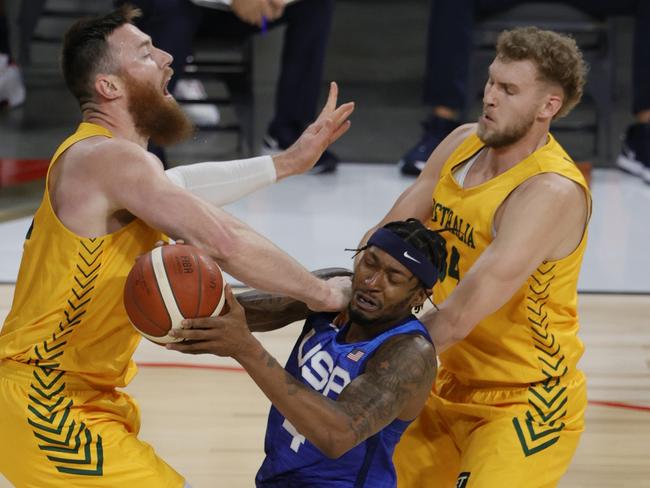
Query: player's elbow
[
  {"x": 334, "y": 443},
  {"x": 334, "y": 451}
]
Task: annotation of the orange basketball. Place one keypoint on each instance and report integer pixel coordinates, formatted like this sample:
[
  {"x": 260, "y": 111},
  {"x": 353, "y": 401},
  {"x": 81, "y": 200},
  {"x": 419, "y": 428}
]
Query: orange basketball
[{"x": 171, "y": 283}]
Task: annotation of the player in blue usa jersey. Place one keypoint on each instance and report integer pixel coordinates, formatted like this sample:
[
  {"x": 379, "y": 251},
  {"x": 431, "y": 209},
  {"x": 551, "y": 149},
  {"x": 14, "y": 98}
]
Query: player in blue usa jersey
[{"x": 347, "y": 393}]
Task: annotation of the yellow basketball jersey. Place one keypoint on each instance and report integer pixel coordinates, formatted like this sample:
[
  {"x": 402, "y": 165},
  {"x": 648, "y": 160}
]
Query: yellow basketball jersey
[
  {"x": 67, "y": 312},
  {"x": 533, "y": 337}
]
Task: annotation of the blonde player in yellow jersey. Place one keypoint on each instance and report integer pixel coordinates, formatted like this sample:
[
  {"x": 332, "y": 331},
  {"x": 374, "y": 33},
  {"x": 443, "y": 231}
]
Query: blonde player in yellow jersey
[
  {"x": 67, "y": 344},
  {"x": 507, "y": 407}
]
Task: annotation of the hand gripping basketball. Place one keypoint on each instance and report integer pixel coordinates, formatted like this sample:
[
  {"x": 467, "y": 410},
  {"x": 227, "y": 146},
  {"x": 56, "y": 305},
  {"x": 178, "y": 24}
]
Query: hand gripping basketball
[{"x": 169, "y": 284}]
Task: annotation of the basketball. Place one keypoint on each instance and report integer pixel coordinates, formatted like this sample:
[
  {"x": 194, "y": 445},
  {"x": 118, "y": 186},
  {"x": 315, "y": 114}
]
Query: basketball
[{"x": 169, "y": 284}]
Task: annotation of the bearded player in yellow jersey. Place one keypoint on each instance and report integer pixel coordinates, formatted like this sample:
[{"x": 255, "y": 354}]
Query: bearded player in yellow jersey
[
  {"x": 507, "y": 407},
  {"x": 67, "y": 344}
]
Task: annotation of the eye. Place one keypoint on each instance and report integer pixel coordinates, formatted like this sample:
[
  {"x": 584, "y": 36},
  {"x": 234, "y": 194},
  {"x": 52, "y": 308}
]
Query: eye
[
  {"x": 368, "y": 260},
  {"x": 396, "y": 278}
]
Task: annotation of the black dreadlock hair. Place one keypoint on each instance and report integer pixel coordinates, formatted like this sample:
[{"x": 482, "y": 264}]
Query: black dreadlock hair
[{"x": 429, "y": 242}]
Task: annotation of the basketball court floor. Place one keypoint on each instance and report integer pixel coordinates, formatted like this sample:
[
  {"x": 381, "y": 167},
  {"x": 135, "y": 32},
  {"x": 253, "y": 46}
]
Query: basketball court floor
[{"x": 207, "y": 418}]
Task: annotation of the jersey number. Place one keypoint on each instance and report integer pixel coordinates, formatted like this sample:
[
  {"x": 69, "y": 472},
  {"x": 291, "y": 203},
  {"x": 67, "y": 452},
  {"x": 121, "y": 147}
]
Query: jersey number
[
  {"x": 298, "y": 438},
  {"x": 448, "y": 262}
]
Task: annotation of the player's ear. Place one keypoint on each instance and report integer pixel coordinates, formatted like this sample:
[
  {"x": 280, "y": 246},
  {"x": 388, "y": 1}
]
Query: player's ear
[
  {"x": 419, "y": 297},
  {"x": 552, "y": 104},
  {"x": 108, "y": 86}
]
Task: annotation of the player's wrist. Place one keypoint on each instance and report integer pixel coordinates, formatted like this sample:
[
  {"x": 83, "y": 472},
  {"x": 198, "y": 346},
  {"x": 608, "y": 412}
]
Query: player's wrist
[
  {"x": 251, "y": 350},
  {"x": 328, "y": 299},
  {"x": 284, "y": 165}
]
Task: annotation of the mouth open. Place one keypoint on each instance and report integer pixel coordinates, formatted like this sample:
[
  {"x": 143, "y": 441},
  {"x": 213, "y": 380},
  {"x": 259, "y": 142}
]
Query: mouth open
[
  {"x": 165, "y": 90},
  {"x": 365, "y": 302}
]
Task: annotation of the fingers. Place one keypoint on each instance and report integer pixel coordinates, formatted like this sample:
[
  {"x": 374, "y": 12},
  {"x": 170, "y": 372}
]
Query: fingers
[
  {"x": 342, "y": 113},
  {"x": 267, "y": 11},
  {"x": 231, "y": 300},
  {"x": 200, "y": 323},
  {"x": 340, "y": 131},
  {"x": 195, "y": 348},
  {"x": 191, "y": 334},
  {"x": 277, "y": 7},
  {"x": 332, "y": 97}
]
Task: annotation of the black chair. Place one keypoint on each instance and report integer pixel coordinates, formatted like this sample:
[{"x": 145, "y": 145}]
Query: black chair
[
  {"x": 45, "y": 21},
  {"x": 229, "y": 62}
]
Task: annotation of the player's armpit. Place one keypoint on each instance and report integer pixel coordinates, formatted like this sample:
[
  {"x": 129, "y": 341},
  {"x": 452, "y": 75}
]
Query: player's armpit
[
  {"x": 396, "y": 384},
  {"x": 270, "y": 311}
]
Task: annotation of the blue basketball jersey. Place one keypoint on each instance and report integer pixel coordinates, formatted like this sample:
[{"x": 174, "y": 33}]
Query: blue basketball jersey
[{"x": 324, "y": 362}]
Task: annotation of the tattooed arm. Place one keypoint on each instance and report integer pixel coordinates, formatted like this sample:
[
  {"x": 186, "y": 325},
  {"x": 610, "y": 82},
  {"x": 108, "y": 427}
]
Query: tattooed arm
[
  {"x": 268, "y": 311},
  {"x": 395, "y": 384}
]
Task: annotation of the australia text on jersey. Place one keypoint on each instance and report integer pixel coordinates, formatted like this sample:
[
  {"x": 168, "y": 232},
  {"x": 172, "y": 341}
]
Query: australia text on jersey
[{"x": 446, "y": 218}]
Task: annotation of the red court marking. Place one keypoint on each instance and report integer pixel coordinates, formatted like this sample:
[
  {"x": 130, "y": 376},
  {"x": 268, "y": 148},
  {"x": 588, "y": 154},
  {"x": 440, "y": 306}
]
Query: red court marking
[
  {"x": 238, "y": 369},
  {"x": 627, "y": 406}
]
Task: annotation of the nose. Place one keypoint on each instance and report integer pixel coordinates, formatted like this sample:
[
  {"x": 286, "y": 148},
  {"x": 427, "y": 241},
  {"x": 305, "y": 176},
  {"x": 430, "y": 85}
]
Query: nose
[
  {"x": 488, "y": 94},
  {"x": 373, "y": 280},
  {"x": 165, "y": 58}
]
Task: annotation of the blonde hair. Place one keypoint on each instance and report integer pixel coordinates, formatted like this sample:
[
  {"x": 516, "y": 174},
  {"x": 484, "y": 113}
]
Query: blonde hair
[{"x": 557, "y": 57}]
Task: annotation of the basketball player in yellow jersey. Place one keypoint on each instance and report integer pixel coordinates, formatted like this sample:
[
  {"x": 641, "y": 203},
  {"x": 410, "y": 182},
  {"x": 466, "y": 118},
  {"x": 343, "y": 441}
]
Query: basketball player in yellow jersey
[
  {"x": 507, "y": 407},
  {"x": 67, "y": 343}
]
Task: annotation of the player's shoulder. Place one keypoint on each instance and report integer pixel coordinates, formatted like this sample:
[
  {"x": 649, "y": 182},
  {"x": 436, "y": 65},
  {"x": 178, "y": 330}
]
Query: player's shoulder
[
  {"x": 550, "y": 186},
  {"x": 108, "y": 152},
  {"x": 403, "y": 346},
  {"x": 462, "y": 132},
  {"x": 123, "y": 151},
  {"x": 444, "y": 150},
  {"x": 411, "y": 357}
]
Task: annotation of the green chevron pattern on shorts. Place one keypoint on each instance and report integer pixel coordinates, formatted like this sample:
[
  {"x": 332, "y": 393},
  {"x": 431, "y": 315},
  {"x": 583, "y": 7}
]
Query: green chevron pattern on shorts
[{"x": 70, "y": 446}]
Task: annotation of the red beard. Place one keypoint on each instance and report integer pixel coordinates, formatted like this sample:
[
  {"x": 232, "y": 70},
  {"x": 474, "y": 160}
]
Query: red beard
[{"x": 156, "y": 116}]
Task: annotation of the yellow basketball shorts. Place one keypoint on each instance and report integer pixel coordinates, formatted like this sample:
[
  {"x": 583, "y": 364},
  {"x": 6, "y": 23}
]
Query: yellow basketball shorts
[
  {"x": 519, "y": 437},
  {"x": 56, "y": 431}
]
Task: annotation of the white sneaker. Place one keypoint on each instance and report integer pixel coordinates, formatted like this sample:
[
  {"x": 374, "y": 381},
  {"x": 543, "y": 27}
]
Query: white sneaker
[
  {"x": 199, "y": 113},
  {"x": 12, "y": 89}
]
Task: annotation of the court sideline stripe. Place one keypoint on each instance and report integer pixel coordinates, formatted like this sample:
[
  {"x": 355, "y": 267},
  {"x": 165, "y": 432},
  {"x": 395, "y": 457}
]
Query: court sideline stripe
[{"x": 239, "y": 369}]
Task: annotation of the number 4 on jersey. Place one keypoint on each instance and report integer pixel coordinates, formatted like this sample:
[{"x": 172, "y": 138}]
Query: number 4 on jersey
[
  {"x": 447, "y": 269},
  {"x": 298, "y": 438}
]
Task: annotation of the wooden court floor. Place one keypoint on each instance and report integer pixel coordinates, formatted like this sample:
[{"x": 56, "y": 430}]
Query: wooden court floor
[{"x": 209, "y": 423}]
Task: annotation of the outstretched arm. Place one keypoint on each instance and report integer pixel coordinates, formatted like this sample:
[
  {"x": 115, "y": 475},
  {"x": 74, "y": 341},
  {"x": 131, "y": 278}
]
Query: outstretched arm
[
  {"x": 223, "y": 182},
  {"x": 270, "y": 311},
  {"x": 395, "y": 384},
  {"x": 131, "y": 179}
]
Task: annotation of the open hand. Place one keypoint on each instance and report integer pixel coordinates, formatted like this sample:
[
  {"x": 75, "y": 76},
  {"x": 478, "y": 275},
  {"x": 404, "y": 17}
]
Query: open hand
[{"x": 331, "y": 124}]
